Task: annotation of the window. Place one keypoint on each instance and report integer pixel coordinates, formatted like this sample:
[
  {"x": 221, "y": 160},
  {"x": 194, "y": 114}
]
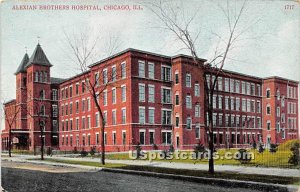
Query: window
[
  {"x": 123, "y": 115},
  {"x": 177, "y": 99},
  {"x": 176, "y": 77},
  {"x": 197, "y": 110},
  {"x": 268, "y": 125},
  {"x": 41, "y": 76},
  {"x": 188, "y": 80},
  {"x": 268, "y": 110},
  {"x": 123, "y": 93},
  {"x": 244, "y": 105},
  {"x": 248, "y": 88},
  {"x": 54, "y": 110},
  {"x": 124, "y": 137},
  {"x": 151, "y": 115},
  {"x": 237, "y": 104},
  {"x": 83, "y": 105},
  {"x": 166, "y": 95},
  {"x": 105, "y": 117},
  {"x": 42, "y": 94},
  {"x": 113, "y": 73},
  {"x": 104, "y": 74},
  {"x": 97, "y": 119},
  {"x": 188, "y": 101},
  {"x": 278, "y": 127},
  {"x": 141, "y": 68},
  {"x": 54, "y": 125},
  {"x": 231, "y": 85},
  {"x": 214, "y": 101},
  {"x": 248, "y": 105},
  {"x": 189, "y": 123},
  {"x": 151, "y": 93},
  {"x": 77, "y": 88},
  {"x": 105, "y": 97},
  {"x": 220, "y": 102},
  {"x": 237, "y": 86},
  {"x": 71, "y": 124},
  {"x": 97, "y": 138},
  {"x": 220, "y": 120},
  {"x": 227, "y": 103},
  {"x": 151, "y": 137},
  {"x": 123, "y": 70},
  {"x": 226, "y": 84},
  {"x": 54, "y": 94},
  {"x": 283, "y": 133},
  {"x": 258, "y": 106},
  {"x": 243, "y": 87},
  {"x": 268, "y": 93},
  {"x": 166, "y": 117},
  {"x": 197, "y": 131},
  {"x": 142, "y": 137},
  {"x": 197, "y": 90},
  {"x": 232, "y": 103},
  {"x": 114, "y": 95},
  {"x": 88, "y": 122},
  {"x": 42, "y": 110},
  {"x": 282, "y": 101},
  {"x": 278, "y": 111},
  {"x": 252, "y": 106},
  {"x": 114, "y": 117},
  {"x": 283, "y": 118},
  {"x": 141, "y": 92},
  {"x": 166, "y": 137},
  {"x": 166, "y": 73},
  {"x": 82, "y": 87},
  {"x": 151, "y": 70},
  {"x": 83, "y": 123},
  {"x": 36, "y": 76},
  {"x": 220, "y": 84},
  {"x": 77, "y": 124},
  {"x": 258, "y": 90},
  {"x": 114, "y": 138},
  {"x": 142, "y": 115},
  {"x": 105, "y": 138},
  {"x": 67, "y": 125},
  {"x": 97, "y": 79},
  {"x": 177, "y": 121}
]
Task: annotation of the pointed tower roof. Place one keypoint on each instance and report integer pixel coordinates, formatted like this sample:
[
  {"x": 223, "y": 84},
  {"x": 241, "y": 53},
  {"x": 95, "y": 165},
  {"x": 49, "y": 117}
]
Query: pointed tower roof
[
  {"x": 21, "y": 68},
  {"x": 38, "y": 57}
]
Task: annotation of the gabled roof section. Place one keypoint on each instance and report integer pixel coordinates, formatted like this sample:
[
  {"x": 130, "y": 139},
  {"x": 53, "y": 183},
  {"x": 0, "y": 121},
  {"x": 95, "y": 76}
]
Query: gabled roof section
[
  {"x": 21, "y": 68},
  {"x": 38, "y": 57},
  {"x": 55, "y": 80}
]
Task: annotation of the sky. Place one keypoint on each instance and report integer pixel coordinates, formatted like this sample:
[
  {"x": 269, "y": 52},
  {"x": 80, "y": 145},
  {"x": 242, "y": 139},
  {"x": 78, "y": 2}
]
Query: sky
[{"x": 270, "y": 45}]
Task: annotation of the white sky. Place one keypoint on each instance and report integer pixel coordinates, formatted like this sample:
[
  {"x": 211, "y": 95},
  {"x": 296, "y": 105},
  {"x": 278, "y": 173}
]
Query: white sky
[{"x": 270, "y": 47}]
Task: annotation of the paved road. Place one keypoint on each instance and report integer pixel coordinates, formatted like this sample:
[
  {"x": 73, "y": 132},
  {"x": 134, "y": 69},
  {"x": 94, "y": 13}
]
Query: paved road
[{"x": 21, "y": 177}]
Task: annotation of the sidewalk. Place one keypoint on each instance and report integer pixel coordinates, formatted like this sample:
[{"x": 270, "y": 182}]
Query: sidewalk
[{"x": 221, "y": 168}]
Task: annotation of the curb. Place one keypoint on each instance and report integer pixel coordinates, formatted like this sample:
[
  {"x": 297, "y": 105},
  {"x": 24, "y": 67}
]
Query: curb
[
  {"x": 211, "y": 181},
  {"x": 91, "y": 168}
]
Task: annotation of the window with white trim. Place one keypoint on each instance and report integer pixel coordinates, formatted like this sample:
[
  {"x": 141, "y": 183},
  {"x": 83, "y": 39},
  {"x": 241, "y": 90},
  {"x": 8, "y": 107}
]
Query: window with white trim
[
  {"x": 151, "y": 70},
  {"x": 188, "y": 80},
  {"x": 123, "y": 115},
  {"x": 151, "y": 115},
  {"x": 141, "y": 68},
  {"x": 142, "y": 115},
  {"x": 151, "y": 93},
  {"x": 188, "y": 101},
  {"x": 141, "y": 92},
  {"x": 123, "y": 87},
  {"x": 166, "y": 117},
  {"x": 197, "y": 90},
  {"x": 166, "y": 73}
]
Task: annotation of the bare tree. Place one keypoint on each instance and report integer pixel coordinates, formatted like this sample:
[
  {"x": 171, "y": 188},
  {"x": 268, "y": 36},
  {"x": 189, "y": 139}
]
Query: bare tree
[
  {"x": 180, "y": 25},
  {"x": 98, "y": 79},
  {"x": 10, "y": 112}
]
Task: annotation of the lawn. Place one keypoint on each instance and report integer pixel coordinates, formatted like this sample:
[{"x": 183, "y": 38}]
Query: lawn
[{"x": 265, "y": 159}]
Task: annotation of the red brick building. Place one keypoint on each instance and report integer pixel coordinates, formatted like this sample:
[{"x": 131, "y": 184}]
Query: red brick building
[{"x": 150, "y": 99}]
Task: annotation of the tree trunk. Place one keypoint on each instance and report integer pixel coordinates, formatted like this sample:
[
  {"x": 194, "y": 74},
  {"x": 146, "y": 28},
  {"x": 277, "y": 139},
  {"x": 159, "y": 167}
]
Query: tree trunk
[
  {"x": 102, "y": 143},
  {"x": 211, "y": 169}
]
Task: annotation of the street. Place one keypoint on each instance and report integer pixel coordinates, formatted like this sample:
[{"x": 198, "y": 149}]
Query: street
[{"x": 31, "y": 177}]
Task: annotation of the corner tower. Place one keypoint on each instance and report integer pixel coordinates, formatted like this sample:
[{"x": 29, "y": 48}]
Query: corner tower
[{"x": 38, "y": 97}]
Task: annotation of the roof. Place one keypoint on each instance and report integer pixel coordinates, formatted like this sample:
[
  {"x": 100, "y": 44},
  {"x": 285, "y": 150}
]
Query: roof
[
  {"x": 10, "y": 101},
  {"x": 21, "y": 68},
  {"x": 129, "y": 50},
  {"x": 281, "y": 78},
  {"x": 55, "y": 80},
  {"x": 38, "y": 57}
]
